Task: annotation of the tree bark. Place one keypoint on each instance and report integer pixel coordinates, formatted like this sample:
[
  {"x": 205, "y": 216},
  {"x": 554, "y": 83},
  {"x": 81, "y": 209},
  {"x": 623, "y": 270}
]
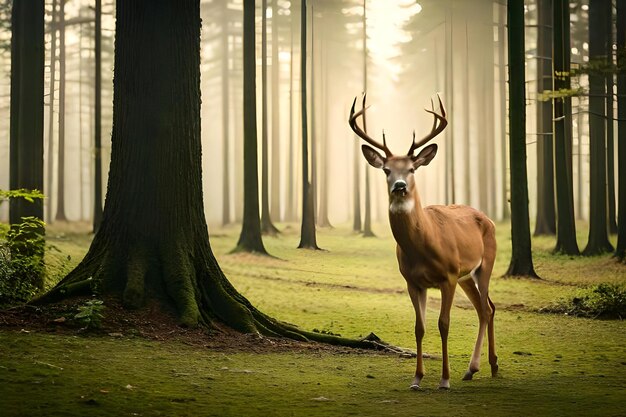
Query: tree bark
[
  {"x": 521, "y": 257},
  {"x": 620, "y": 250},
  {"x": 598, "y": 241},
  {"x": 26, "y": 123},
  {"x": 51, "y": 118},
  {"x": 250, "y": 239},
  {"x": 308, "y": 239},
  {"x": 97, "y": 206},
  {"x": 546, "y": 221},
  {"x": 566, "y": 225}
]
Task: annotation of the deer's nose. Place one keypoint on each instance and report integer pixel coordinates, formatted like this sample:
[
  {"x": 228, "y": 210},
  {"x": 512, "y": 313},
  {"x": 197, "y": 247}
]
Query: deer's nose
[{"x": 399, "y": 185}]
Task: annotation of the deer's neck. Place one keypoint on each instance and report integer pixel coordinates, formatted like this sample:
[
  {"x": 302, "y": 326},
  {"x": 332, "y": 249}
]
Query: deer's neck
[{"x": 409, "y": 223}]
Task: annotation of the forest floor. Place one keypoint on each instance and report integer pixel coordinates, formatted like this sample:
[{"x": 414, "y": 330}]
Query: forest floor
[{"x": 144, "y": 365}]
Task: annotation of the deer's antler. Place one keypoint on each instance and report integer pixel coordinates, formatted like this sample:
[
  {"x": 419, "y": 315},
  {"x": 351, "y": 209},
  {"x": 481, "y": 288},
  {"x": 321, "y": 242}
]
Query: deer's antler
[
  {"x": 435, "y": 130},
  {"x": 362, "y": 133}
]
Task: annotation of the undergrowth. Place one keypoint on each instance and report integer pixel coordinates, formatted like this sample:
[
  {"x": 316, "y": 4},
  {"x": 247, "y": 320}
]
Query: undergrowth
[{"x": 606, "y": 301}]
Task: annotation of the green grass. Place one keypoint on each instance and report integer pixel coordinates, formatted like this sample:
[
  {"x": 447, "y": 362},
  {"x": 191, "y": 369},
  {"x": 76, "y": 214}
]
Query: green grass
[{"x": 550, "y": 364}]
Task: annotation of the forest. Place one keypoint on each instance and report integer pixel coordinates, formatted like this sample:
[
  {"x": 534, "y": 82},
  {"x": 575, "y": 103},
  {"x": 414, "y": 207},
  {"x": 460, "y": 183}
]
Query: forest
[{"x": 207, "y": 207}]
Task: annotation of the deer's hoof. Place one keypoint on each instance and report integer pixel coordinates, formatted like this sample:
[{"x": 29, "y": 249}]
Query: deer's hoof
[
  {"x": 469, "y": 375},
  {"x": 494, "y": 370},
  {"x": 415, "y": 387},
  {"x": 444, "y": 384}
]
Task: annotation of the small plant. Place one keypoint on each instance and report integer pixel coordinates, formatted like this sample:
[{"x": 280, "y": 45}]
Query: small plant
[
  {"x": 90, "y": 314},
  {"x": 607, "y": 301}
]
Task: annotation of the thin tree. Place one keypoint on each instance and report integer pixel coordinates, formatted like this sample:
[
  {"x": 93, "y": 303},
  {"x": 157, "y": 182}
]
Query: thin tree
[
  {"x": 275, "y": 167},
  {"x": 51, "y": 118},
  {"x": 267, "y": 227},
  {"x": 546, "y": 222},
  {"x": 250, "y": 238},
  {"x": 308, "y": 239},
  {"x": 322, "y": 217},
  {"x": 566, "y": 225},
  {"x": 153, "y": 244},
  {"x": 521, "y": 256},
  {"x": 367, "y": 221},
  {"x": 610, "y": 134},
  {"x": 26, "y": 122},
  {"x": 225, "y": 75},
  {"x": 97, "y": 204},
  {"x": 60, "y": 215},
  {"x": 598, "y": 241},
  {"x": 620, "y": 250},
  {"x": 290, "y": 210}
]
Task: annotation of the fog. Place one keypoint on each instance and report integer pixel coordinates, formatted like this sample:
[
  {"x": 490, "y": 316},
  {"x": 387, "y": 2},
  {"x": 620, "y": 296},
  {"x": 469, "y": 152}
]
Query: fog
[{"x": 413, "y": 50}]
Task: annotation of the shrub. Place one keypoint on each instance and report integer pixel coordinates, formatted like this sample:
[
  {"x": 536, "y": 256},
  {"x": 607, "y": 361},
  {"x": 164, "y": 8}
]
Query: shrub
[
  {"x": 607, "y": 301},
  {"x": 90, "y": 314}
]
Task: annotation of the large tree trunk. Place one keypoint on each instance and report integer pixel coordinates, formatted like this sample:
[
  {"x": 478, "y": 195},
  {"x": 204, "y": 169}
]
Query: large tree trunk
[
  {"x": 97, "y": 204},
  {"x": 26, "y": 118},
  {"x": 566, "y": 225},
  {"x": 250, "y": 239},
  {"x": 60, "y": 215},
  {"x": 521, "y": 256},
  {"x": 598, "y": 241},
  {"x": 308, "y": 239},
  {"x": 620, "y": 250},
  {"x": 267, "y": 227},
  {"x": 546, "y": 222}
]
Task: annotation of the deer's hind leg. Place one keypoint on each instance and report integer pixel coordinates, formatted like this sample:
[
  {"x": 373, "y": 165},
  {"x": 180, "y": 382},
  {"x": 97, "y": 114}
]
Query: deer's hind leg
[{"x": 470, "y": 289}]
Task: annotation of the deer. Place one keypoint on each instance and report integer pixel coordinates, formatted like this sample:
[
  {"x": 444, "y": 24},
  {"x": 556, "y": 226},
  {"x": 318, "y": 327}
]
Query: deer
[{"x": 437, "y": 246}]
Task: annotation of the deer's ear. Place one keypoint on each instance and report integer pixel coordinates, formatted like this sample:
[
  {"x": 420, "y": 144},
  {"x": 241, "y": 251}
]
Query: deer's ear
[
  {"x": 425, "y": 156},
  {"x": 373, "y": 158}
]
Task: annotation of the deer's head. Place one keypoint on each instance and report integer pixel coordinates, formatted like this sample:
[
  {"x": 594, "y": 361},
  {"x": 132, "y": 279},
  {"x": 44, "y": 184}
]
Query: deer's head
[{"x": 399, "y": 169}]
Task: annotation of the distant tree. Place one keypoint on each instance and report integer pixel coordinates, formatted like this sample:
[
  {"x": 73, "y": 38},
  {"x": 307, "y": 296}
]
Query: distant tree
[
  {"x": 26, "y": 115},
  {"x": 250, "y": 238},
  {"x": 308, "y": 239},
  {"x": 521, "y": 257},
  {"x": 60, "y": 214},
  {"x": 367, "y": 221},
  {"x": 598, "y": 241},
  {"x": 267, "y": 227},
  {"x": 290, "y": 209},
  {"x": 51, "y": 100},
  {"x": 566, "y": 226},
  {"x": 610, "y": 135},
  {"x": 275, "y": 167},
  {"x": 225, "y": 78},
  {"x": 620, "y": 250},
  {"x": 546, "y": 222}
]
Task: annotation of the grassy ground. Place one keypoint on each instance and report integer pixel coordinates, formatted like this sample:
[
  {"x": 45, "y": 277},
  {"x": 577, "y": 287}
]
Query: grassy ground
[{"x": 550, "y": 365}]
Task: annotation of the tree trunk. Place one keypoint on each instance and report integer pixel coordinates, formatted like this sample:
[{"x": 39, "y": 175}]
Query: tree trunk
[
  {"x": 506, "y": 212},
  {"x": 308, "y": 239},
  {"x": 598, "y": 242},
  {"x": 51, "y": 94},
  {"x": 367, "y": 220},
  {"x": 225, "y": 115},
  {"x": 250, "y": 239},
  {"x": 322, "y": 218},
  {"x": 97, "y": 204},
  {"x": 521, "y": 257},
  {"x": 290, "y": 209},
  {"x": 546, "y": 221},
  {"x": 26, "y": 123},
  {"x": 620, "y": 250},
  {"x": 267, "y": 227},
  {"x": 275, "y": 174},
  {"x": 566, "y": 225},
  {"x": 61, "y": 162}
]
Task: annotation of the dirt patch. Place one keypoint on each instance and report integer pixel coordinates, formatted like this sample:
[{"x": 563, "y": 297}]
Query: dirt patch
[{"x": 152, "y": 323}]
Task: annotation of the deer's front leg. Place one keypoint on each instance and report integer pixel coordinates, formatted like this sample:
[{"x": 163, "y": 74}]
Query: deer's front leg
[
  {"x": 418, "y": 297},
  {"x": 447, "y": 296}
]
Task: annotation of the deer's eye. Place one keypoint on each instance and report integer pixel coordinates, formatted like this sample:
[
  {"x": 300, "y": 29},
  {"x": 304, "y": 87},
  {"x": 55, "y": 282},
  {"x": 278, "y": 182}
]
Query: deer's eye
[
  {"x": 387, "y": 171},
  {"x": 412, "y": 170}
]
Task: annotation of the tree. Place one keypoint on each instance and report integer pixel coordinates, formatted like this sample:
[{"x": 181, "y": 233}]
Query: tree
[
  {"x": 60, "y": 215},
  {"x": 546, "y": 222},
  {"x": 26, "y": 117},
  {"x": 267, "y": 227},
  {"x": 566, "y": 225},
  {"x": 275, "y": 174},
  {"x": 521, "y": 257},
  {"x": 153, "y": 244},
  {"x": 620, "y": 250},
  {"x": 97, "y": 204},
  {"x": 367, "y": 221},
  {"x": 51, "y": 98},
  {"x": 225, "y": 114},
  {"x": 250, "y": 239},
  {"x": 308, "y": 238},
  {"x": 598, "y": 241}
]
